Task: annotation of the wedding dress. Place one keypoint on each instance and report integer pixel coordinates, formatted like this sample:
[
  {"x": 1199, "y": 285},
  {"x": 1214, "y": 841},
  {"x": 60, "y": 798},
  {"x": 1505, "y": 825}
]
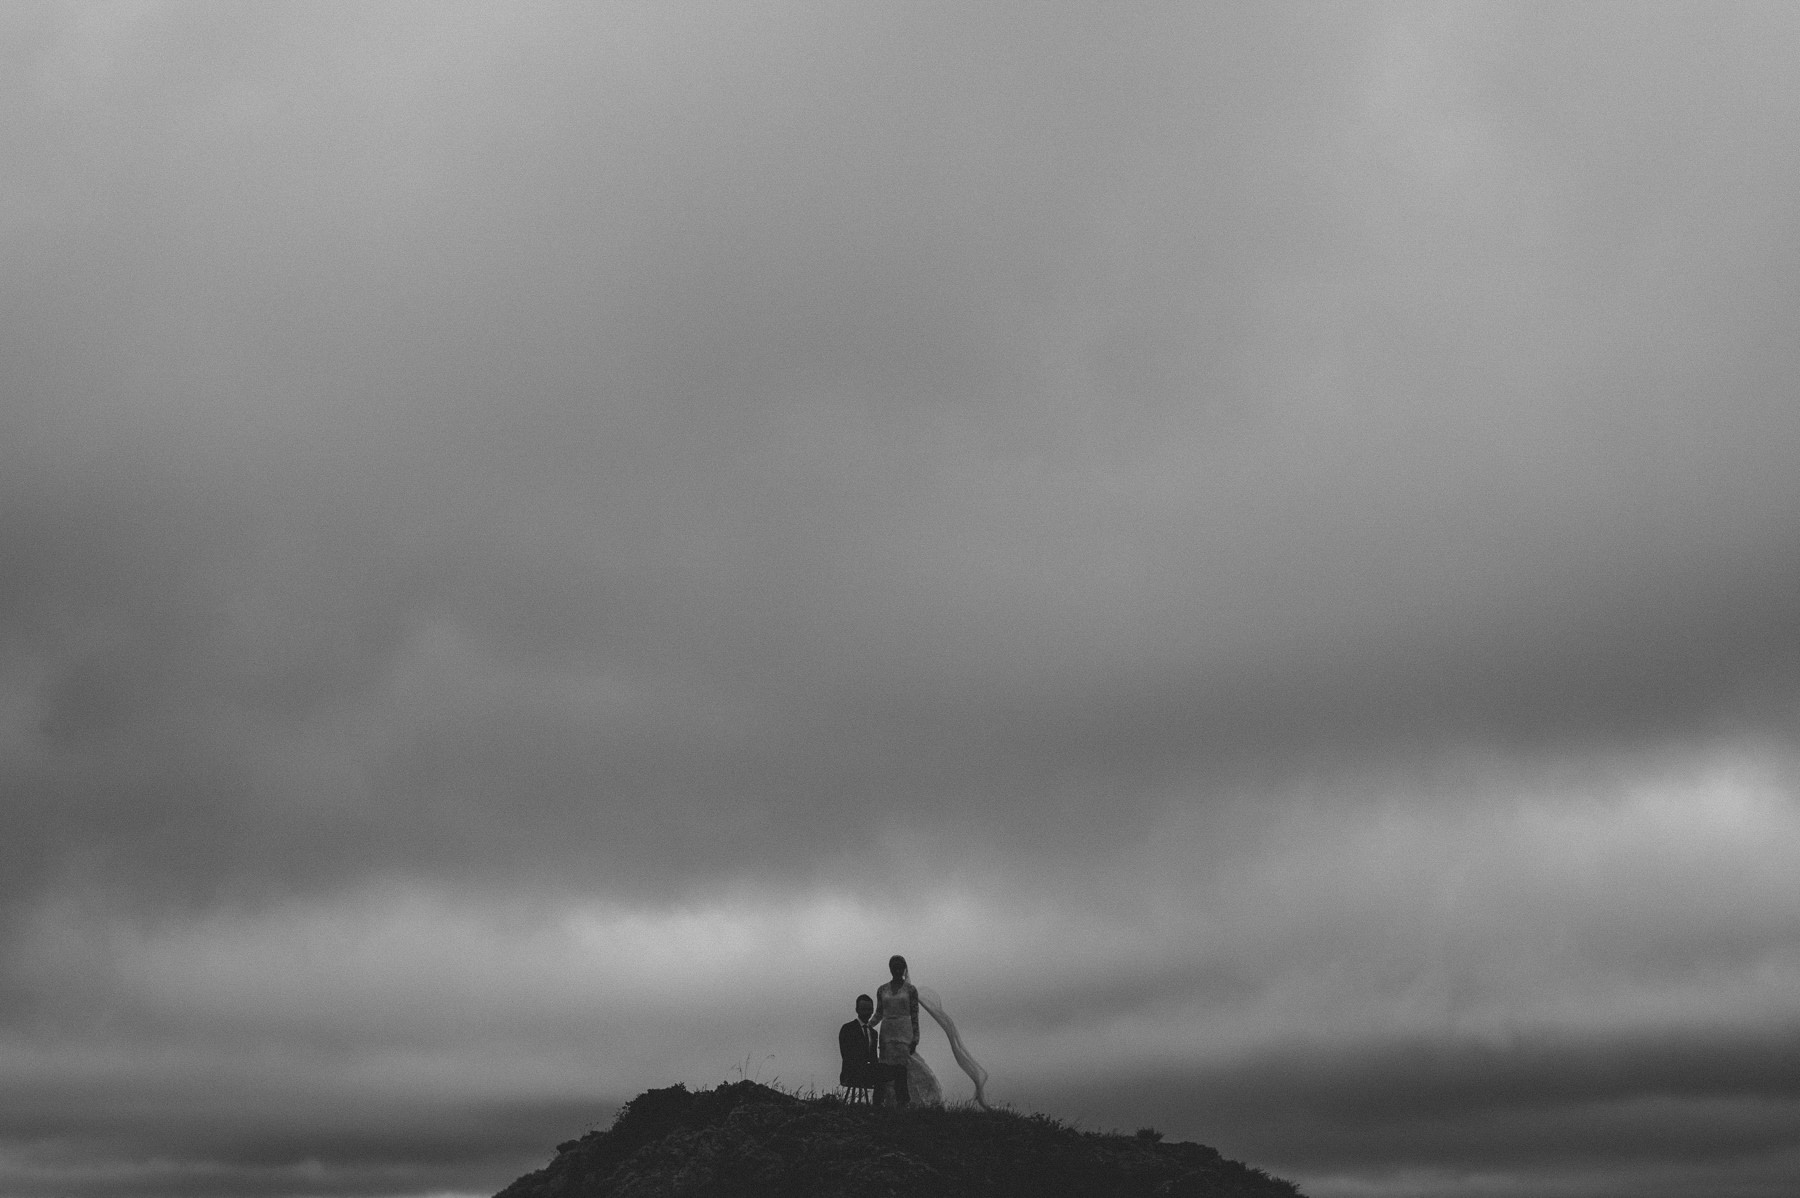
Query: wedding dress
[{"x": 921, "y": 1083}]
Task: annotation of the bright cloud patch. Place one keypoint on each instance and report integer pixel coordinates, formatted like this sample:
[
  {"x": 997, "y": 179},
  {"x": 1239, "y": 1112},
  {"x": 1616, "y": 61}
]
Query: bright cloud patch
[{"x": 1634, "y": 908}]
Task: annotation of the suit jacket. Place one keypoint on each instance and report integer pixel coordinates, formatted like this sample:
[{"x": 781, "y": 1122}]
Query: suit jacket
[{"x": 857, "y": 1045}]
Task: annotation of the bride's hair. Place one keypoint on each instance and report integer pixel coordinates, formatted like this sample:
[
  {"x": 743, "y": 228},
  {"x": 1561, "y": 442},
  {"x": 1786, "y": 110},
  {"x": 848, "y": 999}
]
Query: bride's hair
[{"x": 897, "y": 965}]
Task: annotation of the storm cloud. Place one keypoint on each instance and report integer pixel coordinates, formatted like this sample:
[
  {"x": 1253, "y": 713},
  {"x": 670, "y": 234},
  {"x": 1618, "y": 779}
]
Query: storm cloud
[{"x": 1259, "y": 546}]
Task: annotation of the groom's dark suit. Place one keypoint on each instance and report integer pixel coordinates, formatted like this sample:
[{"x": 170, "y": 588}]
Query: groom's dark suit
[{"x": 858, "y": 1045}]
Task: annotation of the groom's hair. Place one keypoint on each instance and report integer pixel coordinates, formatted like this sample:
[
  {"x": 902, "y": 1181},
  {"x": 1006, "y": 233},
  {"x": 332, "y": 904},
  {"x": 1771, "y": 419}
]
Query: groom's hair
[{"x": 863, "y": 998}]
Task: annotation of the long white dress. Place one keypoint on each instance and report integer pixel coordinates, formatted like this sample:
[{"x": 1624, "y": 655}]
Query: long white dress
[{"x": 921, "y": 1083}]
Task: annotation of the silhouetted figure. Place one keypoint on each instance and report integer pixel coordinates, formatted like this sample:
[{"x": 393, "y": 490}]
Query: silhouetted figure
[
  {"x": 897, "y": 1007},
  {"x": 860, "y": 1048}
]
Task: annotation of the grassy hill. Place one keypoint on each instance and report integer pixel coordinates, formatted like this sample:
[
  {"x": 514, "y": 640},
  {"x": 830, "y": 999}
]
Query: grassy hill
[{"x": 746, "y": 1140}]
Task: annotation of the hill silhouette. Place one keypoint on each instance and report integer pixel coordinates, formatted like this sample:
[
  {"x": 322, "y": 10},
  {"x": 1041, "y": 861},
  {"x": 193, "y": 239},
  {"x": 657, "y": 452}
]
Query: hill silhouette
[{"x": 746, "y": 1140}]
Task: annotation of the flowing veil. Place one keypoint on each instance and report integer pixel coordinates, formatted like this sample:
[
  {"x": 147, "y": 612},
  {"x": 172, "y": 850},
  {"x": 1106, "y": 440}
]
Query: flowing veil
[{"x": 928, "y": 998}]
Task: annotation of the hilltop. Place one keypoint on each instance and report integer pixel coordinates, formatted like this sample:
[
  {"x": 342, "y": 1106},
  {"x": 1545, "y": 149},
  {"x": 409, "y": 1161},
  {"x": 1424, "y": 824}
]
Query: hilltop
[{"x": 746, "y": 1140}]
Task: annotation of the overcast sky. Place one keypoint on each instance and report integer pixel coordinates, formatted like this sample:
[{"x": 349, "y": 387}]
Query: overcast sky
[{"x": 1259, "y": 546}]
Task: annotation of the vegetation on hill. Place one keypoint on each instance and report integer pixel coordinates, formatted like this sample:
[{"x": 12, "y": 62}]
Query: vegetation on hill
[{"x": 746, "y": 1140}]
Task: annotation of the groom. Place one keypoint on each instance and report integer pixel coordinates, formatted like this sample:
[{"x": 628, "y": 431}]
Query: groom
[{"x": 860, "y": 1048}]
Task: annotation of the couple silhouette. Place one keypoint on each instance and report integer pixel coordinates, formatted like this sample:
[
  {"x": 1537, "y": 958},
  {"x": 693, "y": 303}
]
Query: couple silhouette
[{"x": 880, "y": 1047}]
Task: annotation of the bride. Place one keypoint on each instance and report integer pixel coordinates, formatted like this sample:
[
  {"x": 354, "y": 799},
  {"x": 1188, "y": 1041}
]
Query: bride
[{"x": 897, "y": 1004}]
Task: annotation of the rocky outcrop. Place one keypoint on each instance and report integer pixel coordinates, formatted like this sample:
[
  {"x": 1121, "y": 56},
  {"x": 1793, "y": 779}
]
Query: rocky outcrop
[{"x": 746, "y": 1140}]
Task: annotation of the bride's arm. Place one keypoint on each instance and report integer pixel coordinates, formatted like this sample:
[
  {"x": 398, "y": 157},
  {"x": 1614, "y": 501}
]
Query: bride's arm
[{"x": 912, "y": 997}]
